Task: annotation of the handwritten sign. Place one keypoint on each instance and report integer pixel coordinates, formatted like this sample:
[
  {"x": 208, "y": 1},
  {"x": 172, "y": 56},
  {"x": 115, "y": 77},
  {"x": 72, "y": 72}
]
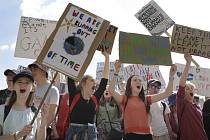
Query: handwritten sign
[
  {"x": 72, "y": 44},
  {"x": 100, "y": 68},
  {"x": 108, "y": 40},
  {"x": 145, "y": 73},
  {"x": 198, "y": 76},
  {"x": 154, "y": 18},
  {"x": 32, "y": 35},
  {"x": 143, "y": 49},
  {"x": 190, "y": 40}
]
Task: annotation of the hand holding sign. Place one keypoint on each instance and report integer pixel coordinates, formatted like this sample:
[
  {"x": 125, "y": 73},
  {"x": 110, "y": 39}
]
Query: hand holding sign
[
  {"x": 188, "y": 57},
  {"x": 173, "y": 70}
]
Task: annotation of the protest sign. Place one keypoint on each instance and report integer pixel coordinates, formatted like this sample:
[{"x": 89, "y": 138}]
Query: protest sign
[
  {"x": 190, "y": 40},
  {"x": 71, "y": 46},
  {"x": 198, "y": 76},
  {"x": 145, "y": 73},
  {"x": 108, "y": 40},
  {"x": 143, "y": 49},
  {"x": 154, "y": 18},
  {"x": 32, "y": 35},
  {"x": 100, "y": 68}
]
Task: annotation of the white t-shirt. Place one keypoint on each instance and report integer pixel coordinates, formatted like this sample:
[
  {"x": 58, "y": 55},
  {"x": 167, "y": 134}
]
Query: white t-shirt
[
  {"x": 16, "y": 120},
  {"x": 158, "y": 124},
  {"x": 52, "y": 97}
]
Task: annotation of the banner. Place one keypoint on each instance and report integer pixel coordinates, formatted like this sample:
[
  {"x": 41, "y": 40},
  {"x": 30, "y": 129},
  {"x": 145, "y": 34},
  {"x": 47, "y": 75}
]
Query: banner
[
  {"x": 32, "y": 35},
  {"x": 72, "y": 44},
  {"x": 108, "y": 40},
  {"x": 198, "y": 76},
  {"x": 190, "y": 40},
  {"x": 100, "y": 68},
  {"x": 154, "y": 18},
  {"x": 145, "y": 73},
  {"x": 143, "y": 49}
]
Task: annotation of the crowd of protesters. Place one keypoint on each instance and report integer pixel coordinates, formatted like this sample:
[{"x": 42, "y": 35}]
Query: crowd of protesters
[{"x": 103, "y": 111}]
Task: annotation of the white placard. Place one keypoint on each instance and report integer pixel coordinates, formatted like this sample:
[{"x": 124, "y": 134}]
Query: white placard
[
  {"x": 154, "y": 18},
  {"x": 198, "y": 76},
  {"x": 145, "y": 73},
  {"x": 32, "y": 35}
]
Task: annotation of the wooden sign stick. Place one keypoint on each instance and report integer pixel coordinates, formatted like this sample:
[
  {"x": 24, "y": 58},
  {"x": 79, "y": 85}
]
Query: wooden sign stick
[
  {"x": 193, "y": 60},
  {"x": 43, "y": 99}
]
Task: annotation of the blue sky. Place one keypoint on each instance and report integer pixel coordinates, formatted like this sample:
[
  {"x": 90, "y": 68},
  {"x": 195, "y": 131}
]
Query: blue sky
[{"x": 119, "y": 12}]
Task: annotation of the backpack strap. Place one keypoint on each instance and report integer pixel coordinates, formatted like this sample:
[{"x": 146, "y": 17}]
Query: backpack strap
[
  {"x": 6, "y": 111},
  {"x": 74, "y": 101},
  {"x": 93, "y": 97},
  {"x": 164, "y": 108}
]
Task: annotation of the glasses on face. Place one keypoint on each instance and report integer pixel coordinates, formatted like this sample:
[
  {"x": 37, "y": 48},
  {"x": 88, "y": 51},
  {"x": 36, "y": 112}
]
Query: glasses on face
[{"x": 155, "y": 86}]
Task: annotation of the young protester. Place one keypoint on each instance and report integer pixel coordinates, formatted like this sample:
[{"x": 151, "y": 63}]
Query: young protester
[
  {"x": 189, "y": 114},
  {"x": 136, "y": 105},
  {"x": 83, "y": 101},
  {"x": 108, "y": 117},
  {"x": 206, "y": 117},
  {"x": 160, "y": 124},
  {"x": 40, "y": 75},
  {"x": 17, "y": 115},
  {"x": 5, "y": 94}
]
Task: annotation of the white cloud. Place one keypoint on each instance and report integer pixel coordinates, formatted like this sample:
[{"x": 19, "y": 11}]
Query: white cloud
[{"x": 4, "y": 47}]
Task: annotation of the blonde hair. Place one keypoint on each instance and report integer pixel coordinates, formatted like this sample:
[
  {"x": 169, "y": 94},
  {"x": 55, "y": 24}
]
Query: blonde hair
[{"x": 188, "y": 83}]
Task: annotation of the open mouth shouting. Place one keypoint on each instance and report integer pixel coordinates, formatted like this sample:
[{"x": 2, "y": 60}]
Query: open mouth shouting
[
  {"x": 138, "y": 87},
  {"x": 22, "y": 90}
]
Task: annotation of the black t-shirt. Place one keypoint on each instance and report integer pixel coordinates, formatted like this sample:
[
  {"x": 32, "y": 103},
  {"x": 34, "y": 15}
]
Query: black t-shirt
[
  {"x": 84, "y": 110},
  {"x": 4, "y": 94}
]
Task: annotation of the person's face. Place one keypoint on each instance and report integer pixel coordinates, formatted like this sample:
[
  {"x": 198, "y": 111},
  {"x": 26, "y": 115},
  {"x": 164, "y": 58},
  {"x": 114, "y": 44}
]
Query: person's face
[
  {"x": 172, "y": 108},
  {"x": 36, "y": 71},
  {"x": 90, "y": 84},
  {"x": 9, "y": 79},
  {"x": 154, "y": 88},
  {"x": 107, "y": 95},
  {"x": 136, "y": 84},
  {"x": 189, "y": 93},
  {"x": 23, "y": 86}
]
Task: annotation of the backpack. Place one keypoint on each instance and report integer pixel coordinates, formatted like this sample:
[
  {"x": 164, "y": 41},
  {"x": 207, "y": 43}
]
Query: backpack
[{"x": 63, "y": 115}]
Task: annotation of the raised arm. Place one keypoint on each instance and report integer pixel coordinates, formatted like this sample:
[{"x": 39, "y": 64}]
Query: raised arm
[
  {"x": 184, "y": 76},
  {"x": 102, "y": 86},
  {"x": 169, "y": 89},
  {"x": 111, "y": 89},
  {"x": 106, "y": 65}
]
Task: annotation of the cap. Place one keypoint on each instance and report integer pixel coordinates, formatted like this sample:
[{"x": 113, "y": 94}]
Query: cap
[
  {"x": 35, "y": 64},
  {"x": 153, "y": 81},
  {"x": 8, "y": 71},
  {"x": 172, "y": 99},
  {"x": 25, "y": 73}
]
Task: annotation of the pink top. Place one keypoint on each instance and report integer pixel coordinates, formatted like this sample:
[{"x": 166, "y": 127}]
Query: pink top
[{"x": 136, "y": 118}]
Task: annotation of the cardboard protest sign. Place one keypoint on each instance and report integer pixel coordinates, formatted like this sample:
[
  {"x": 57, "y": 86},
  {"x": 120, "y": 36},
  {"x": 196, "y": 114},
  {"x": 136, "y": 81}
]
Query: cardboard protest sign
[
  {"x": 190, "y": 40},
  {"x": 32, "y": 35},
  {"x": 72, "y": 44},
  {"x": 198, "y": 76},
  {"x": 145, "y": 73},
  {"x": 100, "y": 68},
  {"x": 143, "y": 49},
  {"x": 154, "y": 18},
  {"x": 108, "y": 40}
]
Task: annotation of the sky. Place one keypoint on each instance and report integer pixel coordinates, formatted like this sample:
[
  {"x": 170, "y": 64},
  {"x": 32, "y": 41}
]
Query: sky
[{"x": 119, "y": 12}]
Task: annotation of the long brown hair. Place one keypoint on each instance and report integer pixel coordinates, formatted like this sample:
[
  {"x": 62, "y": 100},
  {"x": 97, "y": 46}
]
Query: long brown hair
[
  {"x": 128, "y": 93},
  {"x": 29, "y": 101}
]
